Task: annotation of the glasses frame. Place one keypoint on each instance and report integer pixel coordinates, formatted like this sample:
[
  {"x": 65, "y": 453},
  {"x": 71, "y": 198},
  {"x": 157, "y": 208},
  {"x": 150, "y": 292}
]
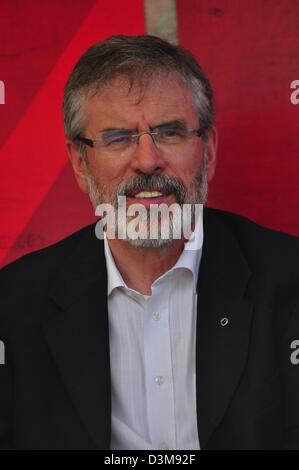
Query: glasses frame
[{"x": 96, "y": 143}]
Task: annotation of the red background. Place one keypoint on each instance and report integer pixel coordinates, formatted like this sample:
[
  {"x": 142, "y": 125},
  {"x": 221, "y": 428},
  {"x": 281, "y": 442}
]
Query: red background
[{"x": 250, "y": 54}]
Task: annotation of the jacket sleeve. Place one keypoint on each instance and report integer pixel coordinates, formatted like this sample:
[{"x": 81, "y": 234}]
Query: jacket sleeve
[
  {"x": 290, "y": 392},
  {"x": 6, "y": 388},
  {"x": 6, "y": 434}
]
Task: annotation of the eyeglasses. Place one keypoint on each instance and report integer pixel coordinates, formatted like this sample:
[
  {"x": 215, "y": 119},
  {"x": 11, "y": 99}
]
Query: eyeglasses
[{"x": 120, "y": 140}]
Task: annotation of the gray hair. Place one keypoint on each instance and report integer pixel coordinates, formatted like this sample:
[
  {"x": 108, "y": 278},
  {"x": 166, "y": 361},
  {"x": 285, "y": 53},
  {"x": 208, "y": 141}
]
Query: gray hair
[{"x": 140, "y": 59}]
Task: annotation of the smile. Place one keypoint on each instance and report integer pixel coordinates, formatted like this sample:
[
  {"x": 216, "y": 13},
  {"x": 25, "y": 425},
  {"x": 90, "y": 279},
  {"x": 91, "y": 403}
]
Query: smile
[{"x": 148, "y": 194}]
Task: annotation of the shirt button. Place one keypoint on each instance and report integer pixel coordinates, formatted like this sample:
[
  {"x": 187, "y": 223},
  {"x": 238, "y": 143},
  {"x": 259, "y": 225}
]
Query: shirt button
[
  {"x": 164, "y": 446},
  {"x": 159, "y": 379},
  {"x": 156, "y": 316}
]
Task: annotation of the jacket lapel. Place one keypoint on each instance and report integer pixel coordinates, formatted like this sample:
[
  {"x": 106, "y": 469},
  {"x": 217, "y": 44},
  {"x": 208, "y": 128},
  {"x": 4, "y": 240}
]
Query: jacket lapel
[
  {"x": 221, "y": 351},
  {"x": 76, "y": 328}
]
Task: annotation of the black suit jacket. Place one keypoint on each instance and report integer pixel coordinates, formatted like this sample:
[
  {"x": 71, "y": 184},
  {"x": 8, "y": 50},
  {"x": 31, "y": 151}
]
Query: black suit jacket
[{"x": 55, "y": 384}]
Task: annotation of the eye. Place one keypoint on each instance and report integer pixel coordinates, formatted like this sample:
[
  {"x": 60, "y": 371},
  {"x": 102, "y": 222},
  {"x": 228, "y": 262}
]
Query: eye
[
  {"x": 171, "y": 134},
  {"x": 119, "y": 139},
  {"x": 115, "y": 138}
]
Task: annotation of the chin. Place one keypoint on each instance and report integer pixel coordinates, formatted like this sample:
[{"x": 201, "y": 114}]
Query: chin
[{"x": 150, "y": 243}]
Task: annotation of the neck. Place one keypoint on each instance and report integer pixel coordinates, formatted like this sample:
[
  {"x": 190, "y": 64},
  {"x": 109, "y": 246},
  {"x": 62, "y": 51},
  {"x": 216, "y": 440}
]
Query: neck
[{"x": 140, "y": 267}]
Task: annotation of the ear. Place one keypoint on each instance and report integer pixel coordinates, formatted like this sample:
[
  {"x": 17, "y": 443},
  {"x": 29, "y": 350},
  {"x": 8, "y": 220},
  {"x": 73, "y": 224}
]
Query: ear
[
  {"x": 78, "y": 164},
  {"x": 212, "y": 146}
]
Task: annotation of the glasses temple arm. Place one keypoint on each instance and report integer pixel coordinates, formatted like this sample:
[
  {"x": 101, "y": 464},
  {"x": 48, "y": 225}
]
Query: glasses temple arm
[{"x": 88, "y": 142}]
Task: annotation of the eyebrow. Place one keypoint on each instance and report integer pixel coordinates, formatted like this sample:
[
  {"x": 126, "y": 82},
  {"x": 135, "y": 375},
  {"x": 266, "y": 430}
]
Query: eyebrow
[
  {"x": 177, "y": 123},
  {"x": 114, "y": 129}
]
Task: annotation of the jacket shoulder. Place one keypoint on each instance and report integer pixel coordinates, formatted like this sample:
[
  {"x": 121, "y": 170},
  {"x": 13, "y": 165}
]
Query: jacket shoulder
[
  {"x": 33, "y": 272},
  {"x": 262, "y": 247},
  {"x": 50, "y": 253},
  {"x": 243, "y": 225}
]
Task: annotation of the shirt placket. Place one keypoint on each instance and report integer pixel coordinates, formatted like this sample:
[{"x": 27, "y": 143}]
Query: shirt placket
[{"x": 158, "y": 370}]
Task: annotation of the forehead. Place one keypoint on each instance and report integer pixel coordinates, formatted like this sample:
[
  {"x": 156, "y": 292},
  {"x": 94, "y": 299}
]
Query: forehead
[{"x": 121, "y": 104}]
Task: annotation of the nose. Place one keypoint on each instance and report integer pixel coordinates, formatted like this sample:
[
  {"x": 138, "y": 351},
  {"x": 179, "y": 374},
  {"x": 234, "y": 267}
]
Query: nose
[{"x": 147, "y": 157}]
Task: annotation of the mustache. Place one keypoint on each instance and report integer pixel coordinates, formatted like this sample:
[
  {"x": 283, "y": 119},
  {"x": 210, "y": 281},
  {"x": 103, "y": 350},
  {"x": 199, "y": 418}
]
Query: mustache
[{"x": 162, "y": 183}]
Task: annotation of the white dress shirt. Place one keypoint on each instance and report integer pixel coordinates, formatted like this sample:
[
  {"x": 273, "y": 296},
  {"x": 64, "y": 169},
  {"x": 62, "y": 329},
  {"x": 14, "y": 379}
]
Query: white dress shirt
[{"x": 152, "y": 354}]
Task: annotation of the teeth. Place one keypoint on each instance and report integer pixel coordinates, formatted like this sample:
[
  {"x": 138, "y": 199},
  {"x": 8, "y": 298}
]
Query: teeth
[{"x": 148, "y": 194}]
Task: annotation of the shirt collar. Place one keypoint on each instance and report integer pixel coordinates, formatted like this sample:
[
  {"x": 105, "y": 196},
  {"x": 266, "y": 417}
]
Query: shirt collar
[
  {"x": 114, "y": 277},
  {"x": 189, "y": 259},
  {"x": 191, "y": 254}
]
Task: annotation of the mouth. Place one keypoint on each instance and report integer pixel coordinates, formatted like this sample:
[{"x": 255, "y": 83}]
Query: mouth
[{"x": 147, "y": 197}]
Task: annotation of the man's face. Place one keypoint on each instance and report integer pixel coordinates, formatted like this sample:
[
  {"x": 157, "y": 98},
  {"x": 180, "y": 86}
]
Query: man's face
[{"x": 183, "y": 169}]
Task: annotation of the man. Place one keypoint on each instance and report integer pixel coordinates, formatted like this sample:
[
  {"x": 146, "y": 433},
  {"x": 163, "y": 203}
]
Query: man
[{"x": 176, "y": 342}]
